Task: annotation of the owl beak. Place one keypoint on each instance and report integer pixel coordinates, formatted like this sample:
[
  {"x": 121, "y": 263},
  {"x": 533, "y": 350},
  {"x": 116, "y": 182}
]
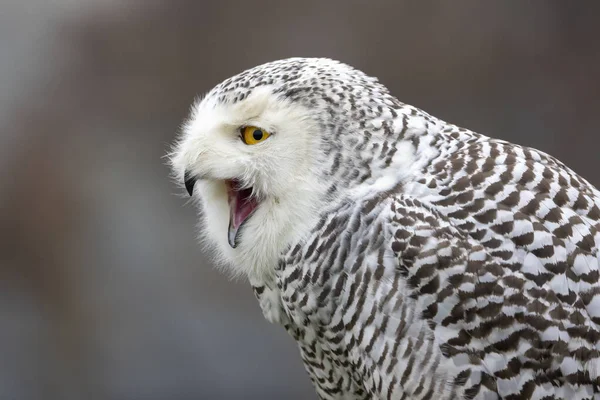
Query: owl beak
[
  {"x": 232, "y": 234},
  {"x": 189, "y": 181}
]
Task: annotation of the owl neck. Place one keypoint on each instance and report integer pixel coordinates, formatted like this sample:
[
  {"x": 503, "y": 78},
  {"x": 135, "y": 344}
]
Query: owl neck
[{"x": 369, "y": 160}]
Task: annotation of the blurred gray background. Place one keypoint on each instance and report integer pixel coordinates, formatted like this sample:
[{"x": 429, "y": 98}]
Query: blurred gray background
[{"x": 104, "y": 293}]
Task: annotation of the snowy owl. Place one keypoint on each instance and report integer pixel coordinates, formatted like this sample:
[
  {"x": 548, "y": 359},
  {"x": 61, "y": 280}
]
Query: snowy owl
[{"x": 408, "y": 257}]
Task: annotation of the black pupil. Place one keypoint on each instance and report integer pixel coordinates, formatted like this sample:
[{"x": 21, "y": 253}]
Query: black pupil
[{"x": 257, "y": 134}]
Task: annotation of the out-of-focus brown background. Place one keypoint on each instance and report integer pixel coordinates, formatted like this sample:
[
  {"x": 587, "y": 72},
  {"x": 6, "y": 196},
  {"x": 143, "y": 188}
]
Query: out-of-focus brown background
[{"x": 104, "y": 293}]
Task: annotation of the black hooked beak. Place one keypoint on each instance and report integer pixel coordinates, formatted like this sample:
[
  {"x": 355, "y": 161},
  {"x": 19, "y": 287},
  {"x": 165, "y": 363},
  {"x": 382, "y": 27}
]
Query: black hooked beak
[{"x": 189, "y": 181}]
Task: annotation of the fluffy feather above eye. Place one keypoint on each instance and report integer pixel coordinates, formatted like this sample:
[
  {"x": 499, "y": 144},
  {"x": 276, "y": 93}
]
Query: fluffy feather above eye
[{"x": 408, "y": 257}]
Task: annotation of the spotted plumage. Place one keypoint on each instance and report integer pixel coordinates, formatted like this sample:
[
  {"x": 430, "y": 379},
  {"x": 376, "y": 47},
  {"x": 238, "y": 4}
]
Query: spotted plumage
[{"x": 409, "y": 258}]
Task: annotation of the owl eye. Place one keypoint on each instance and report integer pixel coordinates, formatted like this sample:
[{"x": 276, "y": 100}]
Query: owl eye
[{"x": 253, "y": 135}]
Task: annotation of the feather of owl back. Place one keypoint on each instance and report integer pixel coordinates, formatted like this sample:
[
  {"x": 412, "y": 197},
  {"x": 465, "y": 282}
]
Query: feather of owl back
[{"x": 454, "y": 265}]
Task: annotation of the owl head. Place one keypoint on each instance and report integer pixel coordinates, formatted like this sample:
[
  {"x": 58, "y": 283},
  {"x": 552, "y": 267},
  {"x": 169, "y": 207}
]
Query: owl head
[{"x": 265, "y": 152}]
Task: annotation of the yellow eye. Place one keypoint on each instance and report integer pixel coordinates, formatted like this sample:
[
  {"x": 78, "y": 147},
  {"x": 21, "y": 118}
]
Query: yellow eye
[{"x": 253, "y": 135}]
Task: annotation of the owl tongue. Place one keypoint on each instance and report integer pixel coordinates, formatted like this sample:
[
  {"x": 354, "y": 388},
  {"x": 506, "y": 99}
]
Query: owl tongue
[{"x": 241, "y": 206}]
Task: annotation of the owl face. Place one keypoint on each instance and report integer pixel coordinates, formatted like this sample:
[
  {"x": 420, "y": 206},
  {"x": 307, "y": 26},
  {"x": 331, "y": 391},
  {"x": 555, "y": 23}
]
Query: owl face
[
  {"x": 267, "y": 150},
  {"x": 250, "y": 165}
]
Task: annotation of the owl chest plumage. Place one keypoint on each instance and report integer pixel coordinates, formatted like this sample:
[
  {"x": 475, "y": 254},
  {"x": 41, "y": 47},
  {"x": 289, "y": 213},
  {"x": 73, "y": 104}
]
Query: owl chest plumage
[{"x": 343, "y": 297}]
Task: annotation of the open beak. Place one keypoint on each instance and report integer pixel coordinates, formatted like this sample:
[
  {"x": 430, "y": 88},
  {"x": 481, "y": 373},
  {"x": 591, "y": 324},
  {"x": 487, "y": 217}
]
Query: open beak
[{"x": 241, "y": 206}]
